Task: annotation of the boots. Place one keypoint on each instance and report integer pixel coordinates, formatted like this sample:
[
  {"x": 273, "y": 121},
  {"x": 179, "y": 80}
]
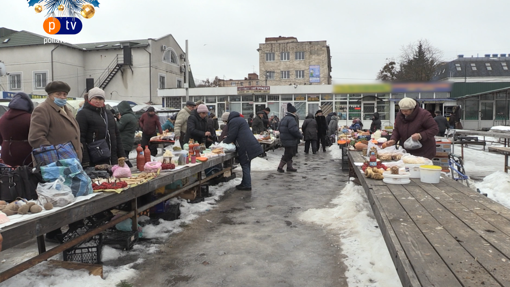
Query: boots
[
  {"x": 282, "y": 164},
  {"x": 289, "y": 166}
]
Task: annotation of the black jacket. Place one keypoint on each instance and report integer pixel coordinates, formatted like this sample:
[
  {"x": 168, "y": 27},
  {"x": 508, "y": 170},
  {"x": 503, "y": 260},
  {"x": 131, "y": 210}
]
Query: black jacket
[
  {"x": 258, "y": 125},
  {"x": 265, "y": 119},
  {"x": 211, "y": 128},
  {"x": 93, "y": 127},
  {"x": 322, "y": 126},
  {"x": 442, "y": 124},
  {"x": 309, "y": 128},
  {"x": 239, "y": 133},
  {"x": 289, "y": 131},
  {"x": 376, "y": 123},
  {"x": 196, "y": 128}
]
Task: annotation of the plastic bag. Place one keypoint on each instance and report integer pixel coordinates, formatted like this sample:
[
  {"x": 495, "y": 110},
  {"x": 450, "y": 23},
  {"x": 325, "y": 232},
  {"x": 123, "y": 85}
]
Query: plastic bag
[
  {"x": 177, "y": 143},
  {"x": 55, "y": 192},
  {"x": 121, "y": 172},
  {"x": 228, "y": 147},
  {"x": 411, "y": 144},
  {"x": 152, "y": 166}
]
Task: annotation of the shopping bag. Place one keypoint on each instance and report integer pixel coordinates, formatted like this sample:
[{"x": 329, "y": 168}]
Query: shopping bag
[
  {"x": 47, "y": 154},
  {"x": 20, "y": 182},
  {"x": 73, "y": 173},
  {"x": 411, "y": 144},
  {"x": 56, "y": 193}
]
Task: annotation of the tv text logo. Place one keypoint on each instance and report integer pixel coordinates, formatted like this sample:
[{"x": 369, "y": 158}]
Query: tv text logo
[{"x": 62, "y": 25}]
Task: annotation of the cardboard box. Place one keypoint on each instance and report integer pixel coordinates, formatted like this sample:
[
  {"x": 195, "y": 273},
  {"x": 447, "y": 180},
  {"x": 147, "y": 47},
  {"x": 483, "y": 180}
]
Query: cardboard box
[{"x": 441, "y": 161}]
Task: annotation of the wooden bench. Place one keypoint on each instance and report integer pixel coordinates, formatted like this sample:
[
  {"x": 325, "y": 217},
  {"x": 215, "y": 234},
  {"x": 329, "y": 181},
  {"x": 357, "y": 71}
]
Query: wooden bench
[{"x": 441, "y": 234}]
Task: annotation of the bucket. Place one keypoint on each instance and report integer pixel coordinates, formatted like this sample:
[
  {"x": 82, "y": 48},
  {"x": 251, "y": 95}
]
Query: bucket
[
  {"x": 413, "y": 170},
  {"x": 430, "y": 173}
]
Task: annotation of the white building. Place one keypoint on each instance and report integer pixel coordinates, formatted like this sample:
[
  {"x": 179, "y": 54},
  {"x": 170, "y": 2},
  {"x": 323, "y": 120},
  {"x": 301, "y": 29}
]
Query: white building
[{"x": 131, "y": 70}]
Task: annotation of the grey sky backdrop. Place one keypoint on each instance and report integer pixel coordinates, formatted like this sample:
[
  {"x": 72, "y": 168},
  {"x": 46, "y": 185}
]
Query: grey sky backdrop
[{"x": 223, "y": 35}]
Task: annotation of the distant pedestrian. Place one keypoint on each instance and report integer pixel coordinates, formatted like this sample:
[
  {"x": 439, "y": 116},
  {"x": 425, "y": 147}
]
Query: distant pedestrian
[
  {"x": 181, "y": 122},
  {"x": 150, "y": 125},
  {"x": 127, "y": 125},
  {"x": 376, "y": 123},
  {"x": 442, "y": 123},
  {"x": 309, "y": 130},
  {"x": 333, "y": 126},
  {"x": 322, "y": 130},
  {"x": 289, "y": 138}
]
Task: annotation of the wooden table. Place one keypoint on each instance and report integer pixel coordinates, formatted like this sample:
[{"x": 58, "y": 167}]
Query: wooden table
[
  {"x": 23, "y": 231},
  {"x": 504, "y": 151},
  {"x": 441, "y": 234}
]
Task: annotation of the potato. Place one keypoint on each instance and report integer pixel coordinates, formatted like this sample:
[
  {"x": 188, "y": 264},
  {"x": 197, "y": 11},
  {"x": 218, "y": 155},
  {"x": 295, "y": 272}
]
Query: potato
[
  {"x": 8, "y": 212},
  {"x": 2, "y": 207},
  {"x": 30, "y": 203},
  {"x": 3, "y": 202},
  {"x": 48, "y": 206},
  {"x": 24, "y": 209},
  {"x": 35, "y": 208},
  {"x": 12, "y": 206}
]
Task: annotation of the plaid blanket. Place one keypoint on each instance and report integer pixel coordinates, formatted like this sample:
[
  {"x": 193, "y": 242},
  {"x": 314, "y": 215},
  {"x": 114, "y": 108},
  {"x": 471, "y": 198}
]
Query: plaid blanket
[{"x": 73, "y": 174}]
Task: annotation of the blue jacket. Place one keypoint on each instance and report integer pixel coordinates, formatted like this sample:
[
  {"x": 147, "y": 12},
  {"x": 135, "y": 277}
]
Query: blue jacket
[
  {"x": 289, "y": 131},
  {"x": 240, "y": 134},
  {"x": 168, "y": 125}
]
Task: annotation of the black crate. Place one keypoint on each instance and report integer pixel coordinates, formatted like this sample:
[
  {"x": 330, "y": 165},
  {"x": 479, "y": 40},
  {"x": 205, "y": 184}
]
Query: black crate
[
  {"x": 169, "y": 212},
  {"x": 88, "y": 252},
  {"x": 120, "y": 239},
  {"x": 79, "y": 228}
]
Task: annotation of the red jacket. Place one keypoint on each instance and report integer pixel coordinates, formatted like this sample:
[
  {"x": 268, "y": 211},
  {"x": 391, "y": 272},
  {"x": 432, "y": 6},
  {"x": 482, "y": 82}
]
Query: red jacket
[
  {"x": 150, "y": 124},
  {"x": 420, "y": 121},
  {"x": 14, "y": 127}
]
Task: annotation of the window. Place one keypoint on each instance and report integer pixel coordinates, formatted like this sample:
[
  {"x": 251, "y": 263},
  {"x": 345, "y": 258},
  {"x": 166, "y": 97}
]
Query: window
[
  {"x": 270, "y": 75},
  {"x": 269, "y": 57},
  {"x": 300, "y": 74},
  {"x": 300, "y": 55},
  {"x": 179, "y": 83},
  {"x": 285, "y": 74},
  {"x": 15, "y": 81},
  {"x": 505, "y": 67},
  {"x": 40, "y": 80},
  {"x": 233, "y": 83},
  {"x": 473, "y": 66},
  {"x": 284, "y": 56},
  {"x": 162, "y": 81},
  {"x": 458, "y": 67},
  {"x": 488, "y": 66},
  {"x": 241, "y": 84},
  {"x": 170, "y": 56}
]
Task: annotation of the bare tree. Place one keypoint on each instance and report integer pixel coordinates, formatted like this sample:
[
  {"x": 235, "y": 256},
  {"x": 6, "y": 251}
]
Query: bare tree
[{"x": 208, "y": 83}]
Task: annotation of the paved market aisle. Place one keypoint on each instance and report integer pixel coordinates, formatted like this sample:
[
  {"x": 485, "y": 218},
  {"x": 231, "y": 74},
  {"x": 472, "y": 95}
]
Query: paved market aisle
[{"x": 255, "y": 238}]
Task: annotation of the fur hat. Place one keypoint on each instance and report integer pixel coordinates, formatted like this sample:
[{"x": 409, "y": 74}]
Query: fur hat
[
  {"x": 202, "y": 109},
  {"x": 96, "y": 93},
  {"x": 291, "y": 108},
  {"x": 190, "y": 103},
  {"x": 407, "y": 104},
  {"x": 57, "y": 86},
  {"x": 224, "y": 117},
  {"x": 21, "y": 101}
]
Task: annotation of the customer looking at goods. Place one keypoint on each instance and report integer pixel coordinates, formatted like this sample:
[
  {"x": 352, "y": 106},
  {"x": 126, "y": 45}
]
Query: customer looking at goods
[
  {"x": 97, "y": 123},
  {"x": 376, "y": 123},
  {"x": 181, "y": 122},
  {"x": 14, "y": 129},
  {"x": 150, "y": 124},
  {"x": 309, "y": 129},
  {"x": 258, "y": 125},
  {"x": 414, "y": 122},
  {"x": 127, "y": 125},
  {"x": 289, "y": 138},
  {"x": 248, "y": 147}
]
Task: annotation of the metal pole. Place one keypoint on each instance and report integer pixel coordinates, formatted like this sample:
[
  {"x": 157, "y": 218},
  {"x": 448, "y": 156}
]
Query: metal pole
[{"x": 186, "y": 85}]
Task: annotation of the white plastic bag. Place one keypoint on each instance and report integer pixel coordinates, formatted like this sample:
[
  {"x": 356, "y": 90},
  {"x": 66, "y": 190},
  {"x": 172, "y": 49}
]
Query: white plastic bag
[
  {"x": 411, "y": 144},
  {"x": 228, "y": 147},
  {"x": 177, "y": 143},
  {"x": 55, "y": 192}
]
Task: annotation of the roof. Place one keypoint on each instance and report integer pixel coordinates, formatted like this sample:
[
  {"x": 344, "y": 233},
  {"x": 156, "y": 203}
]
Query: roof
[
  {"x": 463, "y": 67},
  {"x": 463, "y": 89},
  {"x": 486, "y": 92},
  {"x": 113, "y": 44},
  {"x": 10, "y": 38}
]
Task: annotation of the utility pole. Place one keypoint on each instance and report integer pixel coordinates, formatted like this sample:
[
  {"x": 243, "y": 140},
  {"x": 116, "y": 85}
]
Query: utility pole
[{"x": 186, "y": 84}]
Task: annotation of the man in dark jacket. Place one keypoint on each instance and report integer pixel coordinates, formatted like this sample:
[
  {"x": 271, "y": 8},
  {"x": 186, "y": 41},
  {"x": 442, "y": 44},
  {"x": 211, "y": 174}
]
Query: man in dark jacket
[
  {"x": 289, "y": 138},
  {"x": 265, "y": 119},
  {"x": 247, "y": 146},
  {"x": 149, "y": 123},
  {"x": 442, "y": 123},
  {"x": 197, "y": 125},
  {"x": 127, "y": 125},
  {"x": 322, "y": 130},
  {"x": 258, "y": 125},
  {"x": 413, "y": 121},
  {"x": 376, "y": 123},
  {"x": 309, "y": 130}
]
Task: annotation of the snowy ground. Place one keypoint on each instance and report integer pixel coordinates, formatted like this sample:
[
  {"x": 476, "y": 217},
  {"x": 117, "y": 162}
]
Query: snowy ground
[{"x": 349, "y": 216}]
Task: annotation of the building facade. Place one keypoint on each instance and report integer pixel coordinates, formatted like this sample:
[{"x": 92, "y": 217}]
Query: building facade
[
  {"x": 251, "y": 80},
  {"x": 286, "y": 61},
  {"x": 130, "y": 70},
  {"x": 489, "y": 68}
]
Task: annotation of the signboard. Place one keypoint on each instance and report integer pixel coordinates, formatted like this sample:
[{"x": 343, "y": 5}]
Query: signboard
[
  {"x": 362, "y": 88},
  {"x": 315, "y": 74},
  {"x": 299, "y": 98},
  {"x": 253, "y": 90},
  {"x": 313, "y": 98},
  {"x": 8, "y": 95},
  {"x": 421, "y": 87}
]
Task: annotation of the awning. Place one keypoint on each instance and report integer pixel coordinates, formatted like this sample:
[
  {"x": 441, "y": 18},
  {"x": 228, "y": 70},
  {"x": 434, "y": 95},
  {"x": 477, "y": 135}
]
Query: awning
[{"x": 428, "y": 101}]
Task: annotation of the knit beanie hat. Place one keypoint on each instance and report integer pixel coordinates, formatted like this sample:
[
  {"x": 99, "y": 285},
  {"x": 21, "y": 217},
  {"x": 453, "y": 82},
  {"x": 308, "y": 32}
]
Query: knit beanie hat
[
  {"x": 96, "y": 93},
  {"x": 407, "y": 104},
  {"x": 224, "y": 117},
  {"x": 291, "y": 108},
  {"x": 202, "y": 109}
]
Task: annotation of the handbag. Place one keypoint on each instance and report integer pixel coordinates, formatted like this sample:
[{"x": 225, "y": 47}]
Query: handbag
[
  {"x": 99, "y": 150},
  {"x": 47, "y": 154},
  {"x": 20, "y": 182}
]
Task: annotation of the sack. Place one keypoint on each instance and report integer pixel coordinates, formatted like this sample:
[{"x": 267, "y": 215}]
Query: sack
[
  {"x": 55, "y": 192},
  {"x": 99, "y": 151},
  {"x": 411, "y": 144},
  {"x": 121, "y": 172},
  {"x": 73, "y": 174},
  {"x": 47, "y": 154},
  {"x": 152, "y": 166},
  {"x": 20, "y": 182}
]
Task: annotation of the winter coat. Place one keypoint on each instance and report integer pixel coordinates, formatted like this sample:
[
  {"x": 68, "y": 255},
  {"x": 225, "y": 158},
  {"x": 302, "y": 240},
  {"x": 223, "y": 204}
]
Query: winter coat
[
  {"x": 329, "y": 117},
  {"x": 93, "y": 127},
  {"x": 289, "y": 131},
  {"x": 333, "y": 126},
  {"x": 376, "y": 123},
  {"x": 210, "y": 128},
  {"x": 240, "y": 134},
  {"x": 420, "y": 121},
  {"x": 168, "y": 125},
  {"x": 265, "y": 119},
  {"x": 127, "y": 125},
  {"x": 258, "y": 125},
  {"x": 150, "y": 125},
  {"x": 322, "y": 126},
  {"x": 224, "y": 133},
  {"x": 216, "y": 125},
  {"x": 274, "y": 123},
  {"x": 442, "y": 124},
  {"x": 181, "y": 121},
  {"x": 14, "y": 128},
  {"x": 355, "y": 126},
  {"x": 309, "y": 128},
  {"x": 51, "y": 125},
  {"x": 196, "y": 128}
]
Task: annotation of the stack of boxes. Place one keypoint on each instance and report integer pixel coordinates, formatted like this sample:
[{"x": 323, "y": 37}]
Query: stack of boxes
[{"x": 443, "y": 148}]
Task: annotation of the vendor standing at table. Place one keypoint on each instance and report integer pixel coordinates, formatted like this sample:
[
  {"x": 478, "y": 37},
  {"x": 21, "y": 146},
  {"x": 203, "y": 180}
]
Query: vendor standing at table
[
  {"x": 149, "y": 123},
  {"x": 258, "y": 126},
  {"x": 197, "y": 128},
  {"x": 181, "y": 122},
  {"x": 127, "y": 125},
  {"x": 413, "y": 121}
]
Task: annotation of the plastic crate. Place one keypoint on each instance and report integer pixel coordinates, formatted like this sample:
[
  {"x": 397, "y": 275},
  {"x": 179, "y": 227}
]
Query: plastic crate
[
  {"x": 120, "y": 239},
  {"x": 166, "y": 211},
  {"x": 88, "y": 252},
  {"x": 89, "y": 223}
]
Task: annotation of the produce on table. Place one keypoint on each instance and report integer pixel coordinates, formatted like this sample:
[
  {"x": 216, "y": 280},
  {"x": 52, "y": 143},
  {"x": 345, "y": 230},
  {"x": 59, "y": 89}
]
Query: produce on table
[{"x": 109, "y": 185}]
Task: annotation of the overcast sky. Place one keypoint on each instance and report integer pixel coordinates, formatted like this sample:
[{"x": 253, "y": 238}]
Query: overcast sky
[{"x": 223, "y": 35}]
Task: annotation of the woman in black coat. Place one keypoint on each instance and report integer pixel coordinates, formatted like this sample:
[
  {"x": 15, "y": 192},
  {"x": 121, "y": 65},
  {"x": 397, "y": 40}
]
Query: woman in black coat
[
  {"x": 92, "y": 120},
  {"x": 322, "y": 130},
  {"x": 309, "y": 130},
  {"x": 247, "y": 146},
  {"x": 376, "y": 123},
  {"x": 289, "y": 138},
  {"x": 197, "y": 125}
]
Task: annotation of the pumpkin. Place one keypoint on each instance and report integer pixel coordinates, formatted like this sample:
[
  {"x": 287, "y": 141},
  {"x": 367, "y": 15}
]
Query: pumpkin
[{"x": 360, "y": 146}]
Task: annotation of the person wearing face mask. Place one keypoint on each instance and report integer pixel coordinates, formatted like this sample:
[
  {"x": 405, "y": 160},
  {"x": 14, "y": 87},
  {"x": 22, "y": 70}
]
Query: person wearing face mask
[
  {"x": 149, "y": 123},
  {"x": 93, "y": 120},
  {"x": 52, "y": 122},
  {"x": 413, "y": 121}
]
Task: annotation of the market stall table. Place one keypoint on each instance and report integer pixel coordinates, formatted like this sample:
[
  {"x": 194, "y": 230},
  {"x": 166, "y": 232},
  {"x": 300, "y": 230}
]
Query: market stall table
[{"x": 441, "y": 234}]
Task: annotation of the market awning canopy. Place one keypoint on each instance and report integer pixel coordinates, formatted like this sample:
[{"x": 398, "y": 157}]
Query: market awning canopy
[{"x": 428, "y": 101}]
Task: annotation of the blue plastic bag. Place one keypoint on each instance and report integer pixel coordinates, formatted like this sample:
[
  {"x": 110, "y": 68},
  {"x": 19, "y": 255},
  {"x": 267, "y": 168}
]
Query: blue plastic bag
[{"x": 73, "y": 173}]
